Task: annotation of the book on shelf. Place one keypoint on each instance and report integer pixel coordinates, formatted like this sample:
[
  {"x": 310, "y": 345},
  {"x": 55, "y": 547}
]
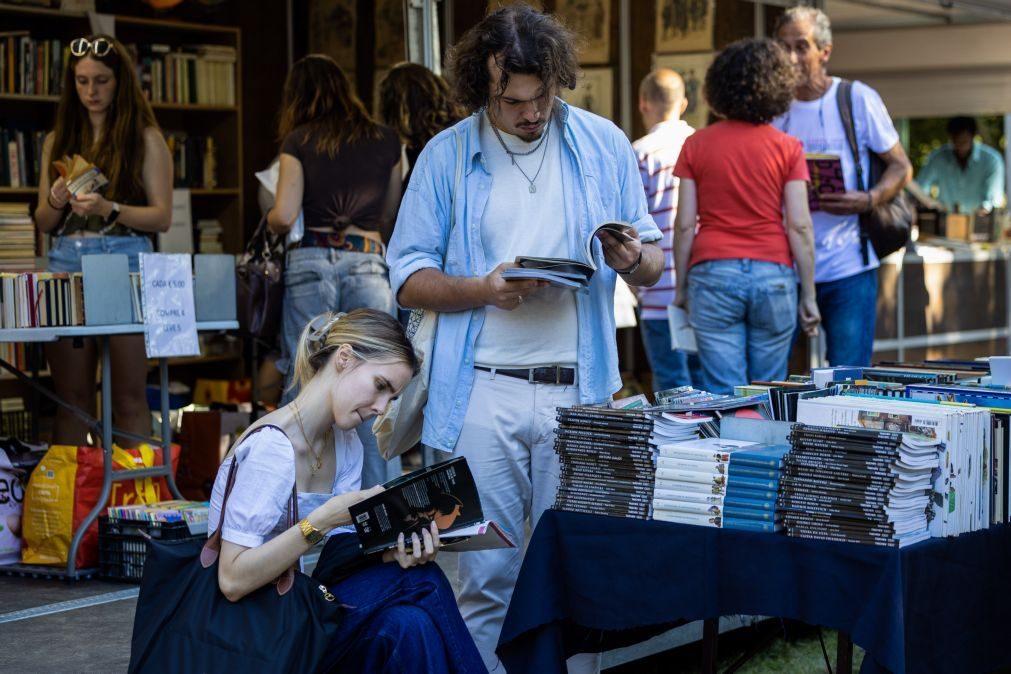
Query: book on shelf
[
  {"x": 826, "y": 178},
  {"x": 196, "y": 74},
  {"x": 30, "y": 66},
  {"x": 443, "y": 493},
  {"x": 565, "y": 272},
  {"x": 17, "y": 237},
  {"x": 41, "y": 299}
]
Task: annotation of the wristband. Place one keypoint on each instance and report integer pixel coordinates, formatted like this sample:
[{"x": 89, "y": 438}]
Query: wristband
[
  {"x": 633, "y": 268},
  {"x": 870, "y": 202}
]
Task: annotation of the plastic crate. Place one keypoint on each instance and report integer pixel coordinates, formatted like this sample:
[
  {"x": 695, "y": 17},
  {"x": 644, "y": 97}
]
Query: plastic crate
[{"x": 122, "y": 546}]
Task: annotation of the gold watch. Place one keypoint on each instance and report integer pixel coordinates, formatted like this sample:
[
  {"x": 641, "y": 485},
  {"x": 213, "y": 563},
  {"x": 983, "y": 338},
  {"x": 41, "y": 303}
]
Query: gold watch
[{"x": 312, "y": 534}]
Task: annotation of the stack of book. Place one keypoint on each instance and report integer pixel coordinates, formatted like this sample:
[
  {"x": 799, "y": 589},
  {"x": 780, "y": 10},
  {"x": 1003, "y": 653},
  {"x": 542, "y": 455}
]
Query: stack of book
[
  {"x": 209, "y": 236},
  {"x": 606, "y": 461},
  {"x": 17, "y": 245},
  {"x": 753, "y": 478},
  {"x": 191, "y": 512},
  {"x": 963, "y": 487},
  {"x": 855, "y": 485},
  {"x": 718, "y": 483}
]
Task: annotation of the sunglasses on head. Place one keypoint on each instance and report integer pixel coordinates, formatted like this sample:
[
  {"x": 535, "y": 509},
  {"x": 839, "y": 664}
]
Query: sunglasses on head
[{"x": 82, "y": 45}]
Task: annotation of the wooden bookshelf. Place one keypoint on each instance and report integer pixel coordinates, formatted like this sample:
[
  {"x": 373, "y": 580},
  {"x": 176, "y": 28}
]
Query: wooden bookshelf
[{"x": 222, "y": 123}]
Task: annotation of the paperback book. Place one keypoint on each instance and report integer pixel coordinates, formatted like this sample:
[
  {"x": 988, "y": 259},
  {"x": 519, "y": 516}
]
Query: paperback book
[{"x": 443, "y": 493}]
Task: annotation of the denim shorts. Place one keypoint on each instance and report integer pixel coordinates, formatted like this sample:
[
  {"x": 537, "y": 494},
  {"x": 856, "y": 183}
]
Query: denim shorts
[
  {"x": 328, "y": 279},
  {"x": 66, "y": 251}
]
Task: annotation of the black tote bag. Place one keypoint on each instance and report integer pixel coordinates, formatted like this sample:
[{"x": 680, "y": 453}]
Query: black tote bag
[{"x": 184, "y": 624}]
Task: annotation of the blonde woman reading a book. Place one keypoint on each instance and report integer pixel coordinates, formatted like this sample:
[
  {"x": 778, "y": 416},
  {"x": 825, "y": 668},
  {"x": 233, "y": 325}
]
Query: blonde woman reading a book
[
  {"x": 104, "y": 121},
  {"x": 401, "y": 613}
]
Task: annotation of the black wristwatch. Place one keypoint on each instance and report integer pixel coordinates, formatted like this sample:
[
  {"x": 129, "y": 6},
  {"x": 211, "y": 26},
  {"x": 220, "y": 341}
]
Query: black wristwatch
[{"x": 113, "y": 214}]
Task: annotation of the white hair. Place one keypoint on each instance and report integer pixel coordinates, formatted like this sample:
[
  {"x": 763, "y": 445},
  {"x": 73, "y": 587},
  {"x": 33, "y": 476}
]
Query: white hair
[{"x": 818, "y": 20}]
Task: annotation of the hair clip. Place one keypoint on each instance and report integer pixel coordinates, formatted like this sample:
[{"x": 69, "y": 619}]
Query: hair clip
[{"x": 320, "y": 329}]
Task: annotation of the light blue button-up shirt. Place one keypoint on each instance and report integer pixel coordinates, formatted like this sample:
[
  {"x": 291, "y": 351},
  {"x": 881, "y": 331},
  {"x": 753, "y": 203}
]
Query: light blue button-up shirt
[
  {"x": 600, "y": 180},
  {"x": 979, "y": 185}
]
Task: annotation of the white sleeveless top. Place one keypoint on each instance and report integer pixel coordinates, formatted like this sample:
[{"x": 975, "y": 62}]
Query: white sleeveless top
[{"x": 263, "y": 482}]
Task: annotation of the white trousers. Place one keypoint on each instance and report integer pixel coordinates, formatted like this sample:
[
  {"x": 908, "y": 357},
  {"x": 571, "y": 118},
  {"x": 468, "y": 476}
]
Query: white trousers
[{"x": 508, "y": 439}]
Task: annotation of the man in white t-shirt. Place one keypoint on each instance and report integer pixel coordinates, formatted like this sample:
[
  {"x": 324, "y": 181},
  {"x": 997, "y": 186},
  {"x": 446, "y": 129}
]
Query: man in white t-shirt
[
  {"x": 846, "y": 280},
  {"x": 661, "y": 103},
  {"x": 536, "y": 177}
]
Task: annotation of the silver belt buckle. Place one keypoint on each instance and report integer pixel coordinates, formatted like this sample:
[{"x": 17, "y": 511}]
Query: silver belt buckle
[
  {"x": 558, "y": 375},
  {"x": 530, "y": 375}
]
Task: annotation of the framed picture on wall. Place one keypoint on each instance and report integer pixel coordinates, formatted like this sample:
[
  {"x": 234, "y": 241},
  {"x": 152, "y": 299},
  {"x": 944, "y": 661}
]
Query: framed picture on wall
[
  {"x": 390, "y": 37},
  {"x": 594, "y": 92},
  {"x": 591, "y": 20},
  {"x": 692, "y": 68},
  {"x": 684, "y": 25},
  {"x": 332, "y": 31}
]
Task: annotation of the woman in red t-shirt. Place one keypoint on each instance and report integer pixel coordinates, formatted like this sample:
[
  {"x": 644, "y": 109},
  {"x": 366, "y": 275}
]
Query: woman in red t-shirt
[{"x": 734, "y": 257}]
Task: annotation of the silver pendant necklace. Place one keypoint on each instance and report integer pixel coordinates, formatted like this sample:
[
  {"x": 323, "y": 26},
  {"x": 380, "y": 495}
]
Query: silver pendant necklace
[{"x": 512, "y": 155}]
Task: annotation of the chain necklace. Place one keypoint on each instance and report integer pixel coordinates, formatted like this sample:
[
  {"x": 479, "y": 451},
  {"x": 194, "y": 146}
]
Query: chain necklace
[
  {"x": 513, "y": 155},
  {"x": 317, "y": 459}
]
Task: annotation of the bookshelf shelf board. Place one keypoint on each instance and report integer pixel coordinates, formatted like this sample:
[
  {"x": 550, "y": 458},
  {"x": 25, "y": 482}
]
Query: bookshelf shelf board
[
  {"x": 194, "y": 107},
  {"x": 175, "y": 25},
  {"x": 25, "y": 98},
  {"x": 7, "y": 376},
  {"x": 26, "y": 191},
  {"x": 214, "y": 192},
  {"x": 41, "y": 11}
]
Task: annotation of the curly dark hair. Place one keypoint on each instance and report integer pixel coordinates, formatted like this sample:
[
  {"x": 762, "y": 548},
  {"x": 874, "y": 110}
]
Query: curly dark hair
[
  {"x": 751, "y": 80},
  {"x": 417, "y": 103},
  {"x": 523, "y": 41}
]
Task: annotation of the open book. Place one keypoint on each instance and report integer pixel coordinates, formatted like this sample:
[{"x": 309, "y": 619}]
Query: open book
[
  {"x": 826, "y": 178},
  {"x": 563, "y": 272},
  {"x": 81, "y": 176},
  {"x": 443, "y": 493}
]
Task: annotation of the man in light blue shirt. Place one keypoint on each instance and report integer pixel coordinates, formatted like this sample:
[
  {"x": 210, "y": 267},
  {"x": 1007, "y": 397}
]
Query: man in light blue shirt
[
  {"x": 969, "y": 176},
  {"x": 537, "y": 176}
]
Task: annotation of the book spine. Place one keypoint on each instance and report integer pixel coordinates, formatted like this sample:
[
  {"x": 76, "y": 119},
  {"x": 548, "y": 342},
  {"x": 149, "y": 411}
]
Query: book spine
[
  {"x": 737, "y": 470},
  {"x": 744, "y": 524}
]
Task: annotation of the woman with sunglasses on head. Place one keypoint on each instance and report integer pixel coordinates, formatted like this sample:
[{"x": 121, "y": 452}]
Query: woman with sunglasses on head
[
  {"x": 103, "y": 116},
  {"x": 341, "y": 170},
  {"x": 401, "y": 612}
]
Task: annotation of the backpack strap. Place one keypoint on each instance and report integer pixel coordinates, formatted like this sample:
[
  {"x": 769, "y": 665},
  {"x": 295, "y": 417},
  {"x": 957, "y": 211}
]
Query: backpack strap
[{"x": 844, "y": 97}]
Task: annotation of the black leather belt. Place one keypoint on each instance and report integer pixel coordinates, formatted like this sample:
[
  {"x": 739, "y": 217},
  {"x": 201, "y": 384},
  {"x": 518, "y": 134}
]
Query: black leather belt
[{"x": 538, "y": 375}]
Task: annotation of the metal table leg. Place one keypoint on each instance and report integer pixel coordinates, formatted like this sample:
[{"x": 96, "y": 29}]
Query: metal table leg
[
  {"x": 166, "y": 426},
  {"x": 103, "y": 498}
]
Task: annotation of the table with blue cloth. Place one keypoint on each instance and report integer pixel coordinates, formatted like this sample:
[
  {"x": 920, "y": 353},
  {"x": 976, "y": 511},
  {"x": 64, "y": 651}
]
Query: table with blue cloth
[{"x": 590, "y": 583}]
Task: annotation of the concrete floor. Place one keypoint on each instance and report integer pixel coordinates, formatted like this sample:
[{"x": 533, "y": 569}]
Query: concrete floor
[{"x": 96, "y": 638}]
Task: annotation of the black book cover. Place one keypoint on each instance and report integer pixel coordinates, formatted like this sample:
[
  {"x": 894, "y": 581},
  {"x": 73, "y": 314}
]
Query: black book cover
[
  {"x": 621, "y": 437},
  {"x": 444, "y": 493},
  {"x": 597, "y": 420}
]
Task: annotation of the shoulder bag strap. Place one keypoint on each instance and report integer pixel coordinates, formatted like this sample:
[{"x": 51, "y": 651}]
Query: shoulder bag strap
[
  {"x": 844, "y": 96},
  {"x": 211, "y": 549}
]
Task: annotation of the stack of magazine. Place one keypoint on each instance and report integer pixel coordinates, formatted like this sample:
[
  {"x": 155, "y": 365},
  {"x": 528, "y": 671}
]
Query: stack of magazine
[
  {"x": 606, "y": 461},
  {"x": 962, "y": 483},
  {"x": 856, "y": 485},
  {"x": 719, "y": 483}
]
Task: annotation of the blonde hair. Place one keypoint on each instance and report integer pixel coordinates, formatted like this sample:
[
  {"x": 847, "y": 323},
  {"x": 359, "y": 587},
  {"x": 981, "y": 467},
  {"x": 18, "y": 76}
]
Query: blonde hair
[{"x": 373, "y": 336}]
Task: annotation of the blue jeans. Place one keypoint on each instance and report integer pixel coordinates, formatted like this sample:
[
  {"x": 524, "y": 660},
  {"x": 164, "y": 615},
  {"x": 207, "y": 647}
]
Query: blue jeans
[
  {"x": 329, "y": 279},
  {"x": 848, "y": 309},
  {"x": 744, "y": 313},
  {"x": 66, "y": 252},
  {"x": 401, "y": 621},
  {"x": 670, "y": 368}
]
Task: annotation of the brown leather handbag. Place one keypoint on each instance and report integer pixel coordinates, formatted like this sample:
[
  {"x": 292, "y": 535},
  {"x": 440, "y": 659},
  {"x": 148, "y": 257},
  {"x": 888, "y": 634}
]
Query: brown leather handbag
[{"x": 259, "y": 273}]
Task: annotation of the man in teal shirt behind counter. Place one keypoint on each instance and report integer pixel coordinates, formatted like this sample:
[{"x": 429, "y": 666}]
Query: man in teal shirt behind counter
[{"x": 969, "y": 175}]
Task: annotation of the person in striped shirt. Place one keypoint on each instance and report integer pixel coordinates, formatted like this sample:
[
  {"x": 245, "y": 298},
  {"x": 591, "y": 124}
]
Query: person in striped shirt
[{"x": 661, "y": 103}]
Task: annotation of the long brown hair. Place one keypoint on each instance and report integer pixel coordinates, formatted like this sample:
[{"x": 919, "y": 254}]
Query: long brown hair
[
  {"x": 318, "y": 95},
  {"x": 120, "y": 151},
  {"x": 417, "y": 103}
]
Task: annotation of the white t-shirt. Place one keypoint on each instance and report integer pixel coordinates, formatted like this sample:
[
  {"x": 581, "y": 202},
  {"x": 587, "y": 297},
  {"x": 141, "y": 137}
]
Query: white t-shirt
[
  {"x": 818, "y": 125},
  {"x": 263, "y": 482},
  {"x": 543, "y": 329}
]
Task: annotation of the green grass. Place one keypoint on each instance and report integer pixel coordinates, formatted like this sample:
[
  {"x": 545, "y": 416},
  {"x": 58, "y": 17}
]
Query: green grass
[{"x": 793, "y": 648}]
